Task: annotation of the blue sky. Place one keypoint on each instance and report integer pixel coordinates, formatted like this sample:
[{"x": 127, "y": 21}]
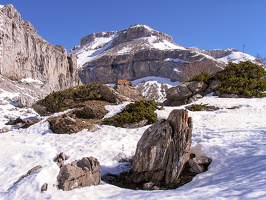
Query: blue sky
[{"x": 207, "y": 24}]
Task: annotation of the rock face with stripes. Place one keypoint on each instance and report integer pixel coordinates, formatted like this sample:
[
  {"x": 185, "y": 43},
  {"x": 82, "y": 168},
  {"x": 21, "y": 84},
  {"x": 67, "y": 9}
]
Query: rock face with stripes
[
  {"x": 163, "y": 151},
  {"x": 25, "y": 54}
]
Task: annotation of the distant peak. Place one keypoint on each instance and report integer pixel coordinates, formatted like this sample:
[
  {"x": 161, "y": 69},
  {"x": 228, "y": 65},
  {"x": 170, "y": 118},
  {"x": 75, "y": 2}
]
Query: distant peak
[{"x": 140, "y": 26}]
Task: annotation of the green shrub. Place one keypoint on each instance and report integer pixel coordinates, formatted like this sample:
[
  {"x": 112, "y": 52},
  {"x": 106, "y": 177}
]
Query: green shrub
[
  {"x": 204, "y": 76},
  {"x": 62, "y": 100},
  {"x": 245, "y": 79},
  {"x": 197, "y": 107},
  {"x": 135, "y": 112}
]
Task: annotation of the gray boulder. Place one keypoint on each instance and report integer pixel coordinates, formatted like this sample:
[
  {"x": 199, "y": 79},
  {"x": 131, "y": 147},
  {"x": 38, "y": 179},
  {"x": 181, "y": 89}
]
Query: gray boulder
[
  {"x": 163, "y": 150},
  {"x": 179, "y": 92},
  {"x": 199, "y": 164},
  {"x": 185, "y": 93},
  {"x": 31, "y": 171},
  {"x": 195, "y": 98},
  {"x": 79, "y": 173},
  {"x": 197, "y": 86},
  {"x": 44, "y": 187},
  {"x": 25, "y": 101},
  {"x": 213, "y": 86},
  {"x": 189, "y": 92},
  {"x": 90, "y": 112}
]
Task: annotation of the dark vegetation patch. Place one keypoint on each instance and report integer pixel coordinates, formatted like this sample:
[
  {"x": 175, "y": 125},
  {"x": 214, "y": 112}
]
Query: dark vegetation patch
[
  {"x": 204, "y": 77},
  {"x": 134, "y": 113},
  {"x": 201, "y": 107},
  {"x": 71, "y": 97},
  {"x": 245, "y": 79}
]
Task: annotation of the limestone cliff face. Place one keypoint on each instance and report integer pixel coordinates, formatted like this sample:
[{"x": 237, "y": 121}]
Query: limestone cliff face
[
  {"x": 137, "y": 52},
  {"x": 25, "y": 54}
]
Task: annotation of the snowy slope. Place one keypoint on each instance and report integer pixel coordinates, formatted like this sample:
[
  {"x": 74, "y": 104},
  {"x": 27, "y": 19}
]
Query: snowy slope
[
  {"x": 90, "y": 51},
  {"x": 234, "y": 138},
  {"x": 237, "y": 57}
]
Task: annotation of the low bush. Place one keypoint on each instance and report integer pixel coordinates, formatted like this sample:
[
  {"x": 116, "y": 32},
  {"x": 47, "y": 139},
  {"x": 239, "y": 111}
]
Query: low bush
[
  {"x": 197, "y": 107},
  {"x": 245, "y": 79},
  {"x": 204, "y": 76},
  {"x": 135, "y": 112},
  {"x": 62, "y": 100}
]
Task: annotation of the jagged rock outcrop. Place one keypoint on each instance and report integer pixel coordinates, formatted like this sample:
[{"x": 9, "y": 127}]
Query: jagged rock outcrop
[
  {"x": 79, "y": 173},
  {"x": 163, "y": 150},
  {"x": 137, "y": 52},
  {"x": 185, "y": 93},
  {"x": 25, "y": 54}
]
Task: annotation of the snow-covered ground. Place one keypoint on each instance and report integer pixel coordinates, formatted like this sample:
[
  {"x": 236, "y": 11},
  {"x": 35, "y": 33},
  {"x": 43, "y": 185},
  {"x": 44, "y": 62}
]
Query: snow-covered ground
[{"x": 235, "y": 139}]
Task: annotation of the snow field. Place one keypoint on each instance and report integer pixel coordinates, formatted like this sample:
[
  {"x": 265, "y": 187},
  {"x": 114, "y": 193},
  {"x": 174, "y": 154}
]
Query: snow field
[{"x": 235, "y": 139}]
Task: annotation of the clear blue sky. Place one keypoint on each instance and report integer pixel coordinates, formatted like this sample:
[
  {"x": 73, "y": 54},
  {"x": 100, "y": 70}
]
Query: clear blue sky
[{"x": 207, "y": 24}]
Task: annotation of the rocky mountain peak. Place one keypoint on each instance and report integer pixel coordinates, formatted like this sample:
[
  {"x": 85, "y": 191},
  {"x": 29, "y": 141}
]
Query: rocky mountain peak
[
  {"x": 10, "y": 11},
  {"x": 134, "y": 32},
  {"x": 139, "y": 31}
]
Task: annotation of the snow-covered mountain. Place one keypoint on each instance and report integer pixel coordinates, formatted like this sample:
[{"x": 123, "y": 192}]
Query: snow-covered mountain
[
  {"x": 140, "y": 51},
  {"x": 135, "y": 38}
]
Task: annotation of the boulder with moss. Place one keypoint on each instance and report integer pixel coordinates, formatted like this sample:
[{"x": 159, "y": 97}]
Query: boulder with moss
[
  {"x": 84, "y": 117},
  {"x": 68, "y": 98},
  {"x": 76, "y": 96}
]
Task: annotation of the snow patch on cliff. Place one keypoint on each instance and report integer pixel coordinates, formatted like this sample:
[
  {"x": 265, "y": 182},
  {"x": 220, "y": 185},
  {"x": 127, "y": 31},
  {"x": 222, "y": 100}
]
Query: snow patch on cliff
[
  {"x": 91, "y": 50},
  {"x": 237, "y": 57}
]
